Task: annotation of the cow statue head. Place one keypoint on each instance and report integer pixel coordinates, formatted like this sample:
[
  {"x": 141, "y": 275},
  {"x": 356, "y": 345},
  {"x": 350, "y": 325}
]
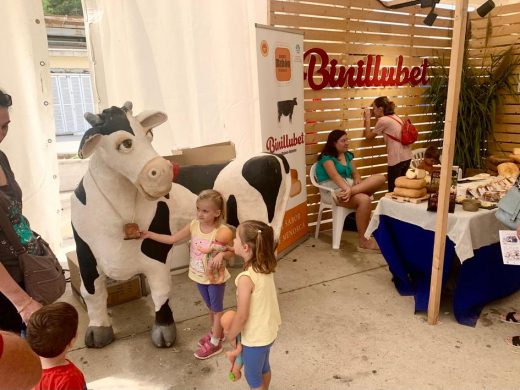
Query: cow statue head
[{"x": 123, "y": 142}]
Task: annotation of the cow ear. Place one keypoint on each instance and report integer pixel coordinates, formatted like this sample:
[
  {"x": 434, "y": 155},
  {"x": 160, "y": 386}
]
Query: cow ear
[
  {"x": 127, "y": 107},
  {"x": 93, "y": 119},
  {"x": 150, "y": 119},
  {"x": 88, "y": 145}
]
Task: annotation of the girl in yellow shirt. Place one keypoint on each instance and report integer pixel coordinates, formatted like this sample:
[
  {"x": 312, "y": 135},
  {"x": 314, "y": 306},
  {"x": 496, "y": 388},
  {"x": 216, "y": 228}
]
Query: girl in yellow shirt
[{"x": 258, "y": 314}]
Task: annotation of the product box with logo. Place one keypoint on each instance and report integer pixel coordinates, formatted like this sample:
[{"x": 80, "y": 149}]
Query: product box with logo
[{"x": 118, "y": 291}]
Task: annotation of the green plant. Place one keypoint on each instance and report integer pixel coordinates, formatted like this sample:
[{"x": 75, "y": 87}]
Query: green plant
[
  {"x": 481, "y": 89},
  {"x": 62, "y": 7}
]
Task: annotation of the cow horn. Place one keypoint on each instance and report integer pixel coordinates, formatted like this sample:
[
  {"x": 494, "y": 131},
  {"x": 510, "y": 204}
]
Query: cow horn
[
  {"x": 93, "y": 119},
  {"x": 127, "y": 107}
]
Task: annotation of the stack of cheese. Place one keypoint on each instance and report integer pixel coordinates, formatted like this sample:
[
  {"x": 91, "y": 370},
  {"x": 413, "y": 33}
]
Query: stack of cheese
[{"x": 412, "y": 185}]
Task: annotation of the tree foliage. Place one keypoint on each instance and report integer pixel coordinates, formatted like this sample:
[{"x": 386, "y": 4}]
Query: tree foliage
[
  {"x": 481, "y": 90},
  {"x": 62, "y": 7}
]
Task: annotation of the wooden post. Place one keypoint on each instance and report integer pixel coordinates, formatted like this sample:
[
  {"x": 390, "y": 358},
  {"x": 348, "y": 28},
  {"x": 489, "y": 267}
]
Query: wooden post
[{"x": 450, "y": 124}]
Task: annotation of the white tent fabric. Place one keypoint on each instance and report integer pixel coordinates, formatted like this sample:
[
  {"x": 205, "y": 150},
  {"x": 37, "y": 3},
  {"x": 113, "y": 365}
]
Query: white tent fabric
[
  {"x": 193, "y": 59},
  {"x": 30, "y": 143}
]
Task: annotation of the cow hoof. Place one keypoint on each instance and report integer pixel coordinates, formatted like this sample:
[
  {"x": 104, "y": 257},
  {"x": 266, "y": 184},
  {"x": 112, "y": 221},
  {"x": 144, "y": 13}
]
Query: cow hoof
[
  {"x": 99, "y": 336},
  {"x": 163, "y": 336}
]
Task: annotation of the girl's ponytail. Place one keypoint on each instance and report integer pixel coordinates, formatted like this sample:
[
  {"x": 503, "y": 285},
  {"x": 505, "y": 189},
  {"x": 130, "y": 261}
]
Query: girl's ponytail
[{"x": 260, "y": 238}]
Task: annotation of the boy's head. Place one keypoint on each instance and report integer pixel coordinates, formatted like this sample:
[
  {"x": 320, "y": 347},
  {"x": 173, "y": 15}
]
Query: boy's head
[
  {"x": 432, "y": 155},
  {"x": 51, "y": 329}
]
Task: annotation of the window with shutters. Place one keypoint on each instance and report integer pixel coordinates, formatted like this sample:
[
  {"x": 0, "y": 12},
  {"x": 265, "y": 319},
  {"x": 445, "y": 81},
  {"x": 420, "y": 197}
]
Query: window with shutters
[{"x": 72, "y": 95}]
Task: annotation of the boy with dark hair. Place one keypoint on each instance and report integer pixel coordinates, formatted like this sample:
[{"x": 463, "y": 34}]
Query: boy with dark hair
[
  {"x": 51, "y": 332},
  {"x": 431, "y": 157}
]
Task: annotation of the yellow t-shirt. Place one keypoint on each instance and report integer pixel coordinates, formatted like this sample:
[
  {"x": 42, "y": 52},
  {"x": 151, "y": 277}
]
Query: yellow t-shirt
[
  {"x": 264, "y": 319},
  {"x": 197, "y": 269}
]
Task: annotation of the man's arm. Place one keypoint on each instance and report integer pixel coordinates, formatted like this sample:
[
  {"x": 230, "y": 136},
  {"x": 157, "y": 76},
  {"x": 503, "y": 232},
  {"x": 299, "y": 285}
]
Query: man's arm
[{"x": 20, "y": 367}]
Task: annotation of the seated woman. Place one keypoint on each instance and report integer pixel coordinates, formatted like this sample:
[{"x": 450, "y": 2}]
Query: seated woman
[
  {"x": 431, "y": 157},
  {"x": 336, "y": 170}
]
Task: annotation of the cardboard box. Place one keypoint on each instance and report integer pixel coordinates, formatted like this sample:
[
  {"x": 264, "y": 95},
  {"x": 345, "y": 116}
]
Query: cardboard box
[
  {"x": 202, "y": 155},
  {"x": 118, "y": 291}
]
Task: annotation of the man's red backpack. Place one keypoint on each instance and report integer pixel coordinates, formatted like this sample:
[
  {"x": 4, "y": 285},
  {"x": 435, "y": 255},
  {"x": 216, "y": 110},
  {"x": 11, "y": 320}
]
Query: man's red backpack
[{"x": 408, "y": 132}]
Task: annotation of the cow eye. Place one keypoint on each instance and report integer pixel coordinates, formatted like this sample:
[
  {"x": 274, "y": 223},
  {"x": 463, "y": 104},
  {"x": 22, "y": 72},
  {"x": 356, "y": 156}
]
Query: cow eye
[
  {"x": 149, "y": 134},
  {"x": 125, "y": 146}
]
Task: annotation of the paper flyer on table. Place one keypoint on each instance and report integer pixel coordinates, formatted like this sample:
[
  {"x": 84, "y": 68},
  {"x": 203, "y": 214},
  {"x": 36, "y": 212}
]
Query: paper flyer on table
[{"x": 510, "y": 247}]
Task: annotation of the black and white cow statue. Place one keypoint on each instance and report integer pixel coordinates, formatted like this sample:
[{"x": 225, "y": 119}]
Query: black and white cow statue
[{"x": 127, "y": 181}]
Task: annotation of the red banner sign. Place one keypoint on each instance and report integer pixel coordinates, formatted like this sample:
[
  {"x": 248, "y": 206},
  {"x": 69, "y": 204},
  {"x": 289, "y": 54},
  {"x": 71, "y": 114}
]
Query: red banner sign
[{"x": 364, "y": 74}]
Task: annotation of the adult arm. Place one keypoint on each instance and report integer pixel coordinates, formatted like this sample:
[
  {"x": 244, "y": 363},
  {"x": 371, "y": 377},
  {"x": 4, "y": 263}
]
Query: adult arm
[
  {"x": 244, "y": 290},
  {"x": 23, "y": 303},
  {"x": 331, "y": 170},
  {"x": 368, "y": 133},
  {"x": 20, "y": 367},
  {"x": 180, "y": 235},
  {"x": 355, "y": 174}
]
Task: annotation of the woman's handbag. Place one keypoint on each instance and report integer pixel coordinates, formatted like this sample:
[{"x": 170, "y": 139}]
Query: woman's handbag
[
  {"x": 43, "y": 276},
  {"x": 509, "y": 208}
]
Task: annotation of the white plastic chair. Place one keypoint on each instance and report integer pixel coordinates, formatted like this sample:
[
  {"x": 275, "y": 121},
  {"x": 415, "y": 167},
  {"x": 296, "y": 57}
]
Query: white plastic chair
[
  {"x": 338, "y": 213},
  {"x": 417, "y": 157}
]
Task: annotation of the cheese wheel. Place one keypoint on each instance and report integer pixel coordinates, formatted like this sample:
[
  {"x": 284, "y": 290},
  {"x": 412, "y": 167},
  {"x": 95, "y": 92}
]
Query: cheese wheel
[
  {"x": 516, "y": 150},
  {"x": 414, "y": 184},
  {"x": 409, "y": 193},
  {"x": 508, "y": 169},
  {"x": 296, "y": 188}
]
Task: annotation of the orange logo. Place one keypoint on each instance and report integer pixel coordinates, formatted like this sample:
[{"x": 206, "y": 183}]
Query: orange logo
[
  {"x": 282, "y": 58},
  {"x": 264, "y": 48}
]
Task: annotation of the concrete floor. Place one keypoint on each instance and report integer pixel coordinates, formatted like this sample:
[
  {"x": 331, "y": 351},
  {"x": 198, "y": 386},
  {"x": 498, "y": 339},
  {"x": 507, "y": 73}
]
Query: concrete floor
[{"x": 344, "y": 327}]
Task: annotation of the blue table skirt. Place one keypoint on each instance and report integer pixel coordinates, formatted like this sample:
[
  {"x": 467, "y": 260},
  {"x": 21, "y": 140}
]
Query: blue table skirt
[{"x": 408, "y": 250}]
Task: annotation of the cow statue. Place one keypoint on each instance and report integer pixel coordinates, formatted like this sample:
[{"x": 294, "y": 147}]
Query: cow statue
[{"x": 128, "y": 182}]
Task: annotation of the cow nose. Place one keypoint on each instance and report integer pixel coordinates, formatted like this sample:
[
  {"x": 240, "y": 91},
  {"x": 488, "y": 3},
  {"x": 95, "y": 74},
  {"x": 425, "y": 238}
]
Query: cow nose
[
  {"x": 156, "y": 176},
  {"x": 157, "y": 172}
]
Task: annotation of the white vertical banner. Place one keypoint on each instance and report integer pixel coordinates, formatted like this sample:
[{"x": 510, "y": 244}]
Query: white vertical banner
[
  {"x": 30, "y": 142},
  {"x": 280, "y": 89}
]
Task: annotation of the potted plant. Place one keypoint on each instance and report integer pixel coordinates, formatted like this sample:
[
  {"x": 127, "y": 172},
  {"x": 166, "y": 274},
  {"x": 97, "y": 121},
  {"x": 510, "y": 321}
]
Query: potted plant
[{"x": 480, "y": 93}]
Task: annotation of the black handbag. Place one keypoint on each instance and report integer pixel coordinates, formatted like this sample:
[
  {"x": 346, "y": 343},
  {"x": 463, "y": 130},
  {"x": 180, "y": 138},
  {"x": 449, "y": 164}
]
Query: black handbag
[{"x": 43, "y": 277}]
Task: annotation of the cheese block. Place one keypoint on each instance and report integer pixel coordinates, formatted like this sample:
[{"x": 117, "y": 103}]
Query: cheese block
[
  {"x": 516, "y": 150},
  {"x": 420, "y": 173},
  {"x": 414, "y": 184},
  {"x": 410, "y": 193},
  {"x": 508, "y": 169}
]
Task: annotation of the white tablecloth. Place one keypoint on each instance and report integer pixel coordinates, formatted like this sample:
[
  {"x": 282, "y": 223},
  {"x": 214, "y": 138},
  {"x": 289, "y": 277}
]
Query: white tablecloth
[{"x": 468, "y": 230}]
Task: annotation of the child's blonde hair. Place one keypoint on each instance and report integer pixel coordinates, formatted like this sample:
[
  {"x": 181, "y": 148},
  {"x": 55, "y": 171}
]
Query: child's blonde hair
[
  {"x": 260, "y": 238},
  {"x": 218, "y": 201}
]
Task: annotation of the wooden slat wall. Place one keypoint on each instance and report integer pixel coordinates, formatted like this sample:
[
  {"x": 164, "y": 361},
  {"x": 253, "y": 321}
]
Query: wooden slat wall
[
  {"x": 348, "y": 30},
  {"x": 503, "y": 25}
]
